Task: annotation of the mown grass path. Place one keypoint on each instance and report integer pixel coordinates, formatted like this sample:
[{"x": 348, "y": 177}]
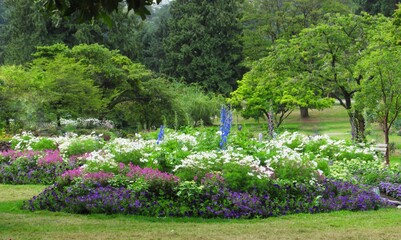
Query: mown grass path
[{"x": 18, "y": 224}]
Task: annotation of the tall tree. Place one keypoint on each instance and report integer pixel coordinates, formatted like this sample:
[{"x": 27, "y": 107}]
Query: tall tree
[
  {"x": 86, "y": 10},
  {"x": 67, "y": 88},
  {"x": 326, "y": 56},
  {"x": 123, "y": 36},
  {"x": 265, "y": 21},
  {"x": 272, "y": 89},
  {"x": 24, "y": 30},
  {"x": 385, "y": 7},
  {"x": 380, "y": 94},
  {"x": 204, "y": 45},
  {"x": 154, "y": 32},
  {"x": 2, "y": 31}
]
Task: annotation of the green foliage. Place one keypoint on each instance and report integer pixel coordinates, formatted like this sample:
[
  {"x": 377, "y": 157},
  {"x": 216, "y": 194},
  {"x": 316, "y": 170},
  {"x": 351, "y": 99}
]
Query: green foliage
[
  {"x": 81, "y": 146},
  {"x": 203, "y": 43},
  {"x": 238, "y": 178},
  {"x": 133, "y": 157},
  {"x": 198, "y": 106},
  {"x": 385, "y": 7},
  {"x": 380, "y": 95},
  {"x": 44, "y": 144},
  {"x": 267, "y": 88},
  {"x": 67, "y": 88},
  {"x": 23, "y": 31},
  {"x": 265, "y": 21},
  {"x": 86, "y": 10},
  {"x": 18, "y": 96},
  {"x": 324, "y": 57},
  {"x": 155, "y": 30}
]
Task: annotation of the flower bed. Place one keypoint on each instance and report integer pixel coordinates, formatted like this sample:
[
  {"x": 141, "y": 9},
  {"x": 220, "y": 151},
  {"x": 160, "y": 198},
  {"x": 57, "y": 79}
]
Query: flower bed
[
  {"x": 210, "y": 197},
  {"x": 188, "y": 174}
]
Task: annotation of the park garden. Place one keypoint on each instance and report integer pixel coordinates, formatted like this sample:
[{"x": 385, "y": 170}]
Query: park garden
[{"x": 240, "y": 119}]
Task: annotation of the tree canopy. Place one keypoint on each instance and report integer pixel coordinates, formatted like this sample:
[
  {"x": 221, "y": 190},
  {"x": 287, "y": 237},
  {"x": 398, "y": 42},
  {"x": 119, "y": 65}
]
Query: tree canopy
[
  {"x": 84, "y": 10},
  {"x": 203, "y": 45}
]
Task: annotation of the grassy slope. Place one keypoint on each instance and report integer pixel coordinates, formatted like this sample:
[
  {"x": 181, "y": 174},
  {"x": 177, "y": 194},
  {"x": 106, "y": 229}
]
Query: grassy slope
[{"x": 19, "y": 224}]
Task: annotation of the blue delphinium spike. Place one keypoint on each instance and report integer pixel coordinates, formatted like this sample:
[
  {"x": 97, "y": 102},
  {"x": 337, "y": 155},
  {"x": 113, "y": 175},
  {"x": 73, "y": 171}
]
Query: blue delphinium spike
[
  {"x": 225, "y": 125},
  {"x": 161, "y": 134}
]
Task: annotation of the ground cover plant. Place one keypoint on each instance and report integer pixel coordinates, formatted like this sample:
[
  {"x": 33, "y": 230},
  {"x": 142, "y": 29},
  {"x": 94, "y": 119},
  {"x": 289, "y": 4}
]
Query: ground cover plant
[
  {"x": 21, "y": 224},
  {"x": 187, "y": 173}
]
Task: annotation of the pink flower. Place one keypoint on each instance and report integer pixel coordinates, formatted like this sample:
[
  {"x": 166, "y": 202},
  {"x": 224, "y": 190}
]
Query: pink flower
[
  {"x": 12, "y": 154},
  {"x": 51, "y": 157},
  {"x": 99, "y": 176},
  {"x": 149, "y": 174},
  {"x": 71, "y": 174}
]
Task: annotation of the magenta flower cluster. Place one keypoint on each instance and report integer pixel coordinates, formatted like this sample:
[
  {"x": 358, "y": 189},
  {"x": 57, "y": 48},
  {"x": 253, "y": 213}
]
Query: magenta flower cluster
[
  {"x": 72, "y": 174},
  {"x": 100, "y": 176},
  {"x": 148, "y": 174},
  {"x": 12, "y": 154},
  {"x": 50, "y": 157}
]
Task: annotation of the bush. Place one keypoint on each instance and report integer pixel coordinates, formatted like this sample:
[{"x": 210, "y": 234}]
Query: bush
[{"x": 81, "y": 146}]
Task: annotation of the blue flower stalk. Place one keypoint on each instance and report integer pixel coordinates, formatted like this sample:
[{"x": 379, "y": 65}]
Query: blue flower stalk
[
  {"x": 226, "y": 118},
  {"x": 161, "y": 135}
]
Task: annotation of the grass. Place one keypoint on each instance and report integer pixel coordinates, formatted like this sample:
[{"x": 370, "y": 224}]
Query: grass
[
  {"x": 333, "y": 122},
  {"x": 19, "y": 224}
]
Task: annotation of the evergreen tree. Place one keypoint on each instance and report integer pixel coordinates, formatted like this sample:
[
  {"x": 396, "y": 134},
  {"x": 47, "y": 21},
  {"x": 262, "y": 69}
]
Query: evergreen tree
[
  {"x": 23, "y": 31},
  {"x": 23, "y": 27},
  {"x": 153, "y": 34},
  {"x": 385, "y": 7},
  {"x": 203, "y": 45}
]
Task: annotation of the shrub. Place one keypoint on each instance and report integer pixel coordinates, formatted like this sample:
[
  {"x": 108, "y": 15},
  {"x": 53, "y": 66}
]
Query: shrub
[{"x": 83, "y": 145}]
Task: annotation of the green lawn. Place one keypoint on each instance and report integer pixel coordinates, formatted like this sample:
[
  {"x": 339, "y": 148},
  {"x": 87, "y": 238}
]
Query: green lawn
[
  {"x": 333, "y": 122},
  {"x": 19, "y": 224}
]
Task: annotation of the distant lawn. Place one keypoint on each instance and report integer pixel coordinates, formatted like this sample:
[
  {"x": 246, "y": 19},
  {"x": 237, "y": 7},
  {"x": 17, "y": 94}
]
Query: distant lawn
[
  {"x": 333, "y": 122},
  {"x": 19, "y": 224}
]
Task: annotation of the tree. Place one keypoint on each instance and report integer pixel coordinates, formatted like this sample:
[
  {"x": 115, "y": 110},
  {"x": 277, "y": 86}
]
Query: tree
[
  {"x": 265, "y": 21},
  {"x": 67, "y": 89},
  {"x": 84, "y": 10},
  {"x": 385, "y": 7},
  {"x": 18, "y": 97},
  {"x": 154, "y": 32},
  {"x": 203, "y": 44},
  {"x": 380, "y": 95},
  {"x": 24, "y": 28},
  {"x": 268, "y": 88},
  {"x": 123, "y": 36},
  {"x": 23, "y": 31},
  {"x": 116, "y": 75},
  {"x": 328, "y": 53}
]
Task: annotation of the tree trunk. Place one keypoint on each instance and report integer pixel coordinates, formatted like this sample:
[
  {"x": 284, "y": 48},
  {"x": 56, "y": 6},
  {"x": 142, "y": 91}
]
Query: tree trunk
[
  {"x": 8, "y": 123},
  {"x": 386, "y": 131},
  {"x": 357, "y": 126},
  {"x": 304, "y": 112},
  {"x": 58, "y": 121}
]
